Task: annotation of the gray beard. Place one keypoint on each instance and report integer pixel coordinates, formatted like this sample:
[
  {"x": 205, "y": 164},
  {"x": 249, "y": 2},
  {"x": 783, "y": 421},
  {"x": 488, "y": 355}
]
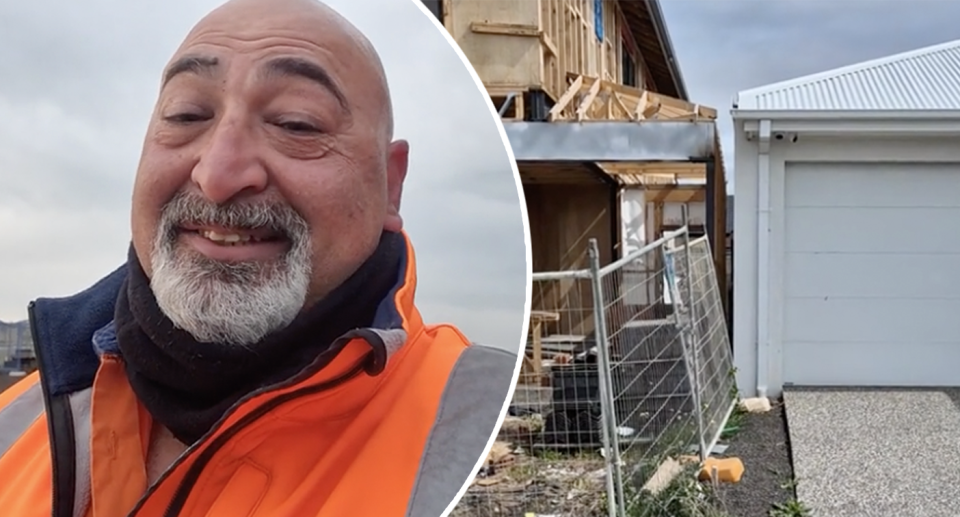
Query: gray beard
[{"x": 230, "y": 303}]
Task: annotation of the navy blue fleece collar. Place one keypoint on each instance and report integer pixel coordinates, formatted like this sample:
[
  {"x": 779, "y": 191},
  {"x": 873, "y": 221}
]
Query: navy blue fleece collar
[{"x": 69, "y": 332}]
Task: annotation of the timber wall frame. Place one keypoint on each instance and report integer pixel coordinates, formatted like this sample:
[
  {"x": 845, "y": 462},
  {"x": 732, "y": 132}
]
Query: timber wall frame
[{"x": 631, "y": 141}]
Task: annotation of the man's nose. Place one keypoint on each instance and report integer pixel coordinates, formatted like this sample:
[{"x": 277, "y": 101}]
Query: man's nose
[{"x": 229, "y": 163}]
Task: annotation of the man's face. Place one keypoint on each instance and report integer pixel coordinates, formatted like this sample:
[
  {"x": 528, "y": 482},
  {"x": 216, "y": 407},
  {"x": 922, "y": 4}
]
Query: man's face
[{"x": 267, "y": 172}]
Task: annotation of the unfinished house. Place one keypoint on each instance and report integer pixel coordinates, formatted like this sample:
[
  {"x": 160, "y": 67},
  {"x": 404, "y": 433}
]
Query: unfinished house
[
  {"x": 609, "y": 148},
  {"x": 607, "y": 142}
]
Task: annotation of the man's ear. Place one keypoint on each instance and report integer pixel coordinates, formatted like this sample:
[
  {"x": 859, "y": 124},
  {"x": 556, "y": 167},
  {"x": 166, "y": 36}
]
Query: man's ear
[{"x": 397, "y": 157}]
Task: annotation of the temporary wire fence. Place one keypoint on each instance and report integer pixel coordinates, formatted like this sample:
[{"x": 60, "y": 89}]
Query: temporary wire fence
[{"x": 627, "y": 368}]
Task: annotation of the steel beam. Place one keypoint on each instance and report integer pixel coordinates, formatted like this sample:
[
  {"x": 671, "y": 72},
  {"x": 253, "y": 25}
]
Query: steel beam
[{"x": 625, "y": 141}]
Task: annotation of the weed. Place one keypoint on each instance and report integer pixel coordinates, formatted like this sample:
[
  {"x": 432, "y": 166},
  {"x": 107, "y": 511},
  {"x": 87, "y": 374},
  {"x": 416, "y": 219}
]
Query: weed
[
  {"x": 734, "y": 392},
  {"x": 789, "y": 484},
  {"x": 735, "y": 423},
  {"x": 523, "y": 471},
  {"x": 737, "y": 416},
  {"x": 685, "y": 496},
  {"x": 791, "y": 508},
  {"x": 549, "y": 455}
]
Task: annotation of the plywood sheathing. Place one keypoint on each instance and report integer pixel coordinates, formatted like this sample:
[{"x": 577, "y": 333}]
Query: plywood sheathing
[
  {"x": 522, "y": 45},
  {"x": 561, "y": 173},
  {"x": 563, "y": 219}
]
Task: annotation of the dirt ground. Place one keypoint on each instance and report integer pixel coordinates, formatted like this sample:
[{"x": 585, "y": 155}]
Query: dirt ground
[{"x": 763, "y": 446}]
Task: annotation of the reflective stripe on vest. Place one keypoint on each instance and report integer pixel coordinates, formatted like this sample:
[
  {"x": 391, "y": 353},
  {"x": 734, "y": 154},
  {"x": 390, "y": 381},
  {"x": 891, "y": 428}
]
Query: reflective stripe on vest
[
  {"x": 470, "y": 409},
  {"x": 470, "y": 404},
  {"x": 17, "y": 416}
]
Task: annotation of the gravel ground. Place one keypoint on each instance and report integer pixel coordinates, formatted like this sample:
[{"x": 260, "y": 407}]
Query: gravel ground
[
  {"x": 763, "y": 447},
  {"x": 869, "y": 452}
]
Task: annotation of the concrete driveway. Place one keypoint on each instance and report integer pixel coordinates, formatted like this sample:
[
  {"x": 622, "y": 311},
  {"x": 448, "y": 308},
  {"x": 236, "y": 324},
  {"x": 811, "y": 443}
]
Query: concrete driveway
[{"x": 876, "y": 452}]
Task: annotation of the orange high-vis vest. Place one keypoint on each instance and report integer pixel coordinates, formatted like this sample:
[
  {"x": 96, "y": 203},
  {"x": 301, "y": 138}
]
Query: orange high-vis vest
[{"x": 394, "y": 425}]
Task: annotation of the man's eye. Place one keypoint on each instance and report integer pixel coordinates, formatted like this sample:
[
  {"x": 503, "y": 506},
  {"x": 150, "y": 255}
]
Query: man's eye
[
  {"x": 298, "y": 127},
  {"x": 186, "y": 118}
]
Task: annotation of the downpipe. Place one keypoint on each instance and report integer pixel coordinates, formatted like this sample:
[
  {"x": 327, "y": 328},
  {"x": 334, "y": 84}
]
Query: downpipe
[{"x": 763, "y": 258}]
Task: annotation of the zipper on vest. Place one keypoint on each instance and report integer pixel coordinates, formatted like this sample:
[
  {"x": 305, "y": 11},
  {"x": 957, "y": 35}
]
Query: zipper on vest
[
  {"x": 190, "y": 478},
  {"x": 60, "y": 428},
  {"x": 175, "y": 506}
]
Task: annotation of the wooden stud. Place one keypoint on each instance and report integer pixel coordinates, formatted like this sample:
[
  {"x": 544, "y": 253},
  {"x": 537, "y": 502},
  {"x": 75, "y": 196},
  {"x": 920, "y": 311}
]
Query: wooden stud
[
  {"x": 642, "y": 106},
  {"x": 608, "y": 103},
  {"x": 549, "y": 44},
  {"x": 565, "y": 99},
  {"x": 619, "y": 100},
  {"x": 679, "y": 105},
  {"x": 505, "y": 29},
  {"x": 588, "y": 100}
]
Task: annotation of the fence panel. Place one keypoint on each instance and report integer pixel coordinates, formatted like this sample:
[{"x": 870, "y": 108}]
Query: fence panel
[
  {"x": 653, "y": 399},
  {"x": 712, "y": 352},
  {"x": 547, "y": 458},
  {"x": 597, "y": 415}
]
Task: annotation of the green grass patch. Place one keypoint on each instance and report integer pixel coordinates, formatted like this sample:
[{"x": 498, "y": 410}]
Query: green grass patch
[{"x": 791, "y": 508}]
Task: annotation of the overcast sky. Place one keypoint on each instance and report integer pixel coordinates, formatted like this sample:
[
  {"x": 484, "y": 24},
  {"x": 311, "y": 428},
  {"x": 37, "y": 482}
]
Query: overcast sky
[
  {"x": 77, "y": 84},
  {"x": 726, "y": 46}
]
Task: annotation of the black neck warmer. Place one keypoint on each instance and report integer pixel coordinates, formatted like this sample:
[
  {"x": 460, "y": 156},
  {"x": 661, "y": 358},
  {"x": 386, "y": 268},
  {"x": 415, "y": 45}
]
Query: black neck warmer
[{"x": 187, "y": 386}]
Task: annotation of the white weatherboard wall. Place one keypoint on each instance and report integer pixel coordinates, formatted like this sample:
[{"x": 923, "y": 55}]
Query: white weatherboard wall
[
  {"x": 847, "y": 223},
  {"x": 863, "y": 284}
]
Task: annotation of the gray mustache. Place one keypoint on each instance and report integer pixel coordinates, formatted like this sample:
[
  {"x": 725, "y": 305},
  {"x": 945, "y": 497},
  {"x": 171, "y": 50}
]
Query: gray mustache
[{"x": 192, "y": 208}]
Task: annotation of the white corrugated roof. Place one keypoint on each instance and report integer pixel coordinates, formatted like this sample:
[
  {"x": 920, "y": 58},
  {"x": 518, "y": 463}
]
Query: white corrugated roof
[{"x": 924, "y": 79}]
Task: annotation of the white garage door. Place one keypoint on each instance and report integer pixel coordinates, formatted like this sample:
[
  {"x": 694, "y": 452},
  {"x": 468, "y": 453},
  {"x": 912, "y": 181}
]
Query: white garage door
[{"x": 872, "y": 275}]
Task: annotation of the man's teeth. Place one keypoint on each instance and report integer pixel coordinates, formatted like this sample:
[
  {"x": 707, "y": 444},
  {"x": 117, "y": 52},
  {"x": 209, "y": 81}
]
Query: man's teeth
[{"x": 228, "y": 238}]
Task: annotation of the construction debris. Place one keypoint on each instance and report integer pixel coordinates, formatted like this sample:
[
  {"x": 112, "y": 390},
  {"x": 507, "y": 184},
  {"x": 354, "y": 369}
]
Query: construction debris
[
  {"x": 521, "y": 429},
  {"x": 500, "y": 454},
  {"x": 567, "y": 486},
  {"x": 728, "y": 470},
  {"x": 755, "y": 405},
  {"x": 664, "y": 475}
]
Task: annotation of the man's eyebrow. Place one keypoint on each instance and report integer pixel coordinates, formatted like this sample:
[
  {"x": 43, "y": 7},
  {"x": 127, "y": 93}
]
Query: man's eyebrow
[
  {"x": 294, "y": 66},
  {"x": 190, "y": 64}
]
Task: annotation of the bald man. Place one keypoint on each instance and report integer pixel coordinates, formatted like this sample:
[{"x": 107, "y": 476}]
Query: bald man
[{"x": 259, "y": 353}]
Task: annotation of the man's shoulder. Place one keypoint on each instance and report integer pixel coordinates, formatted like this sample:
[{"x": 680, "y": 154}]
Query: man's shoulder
[
  {"x": 468, "y": 415},
  {"x": 484, "y": 367},
  {"x": 472, "y": 352},
  {"x": 489, "y": 357}
]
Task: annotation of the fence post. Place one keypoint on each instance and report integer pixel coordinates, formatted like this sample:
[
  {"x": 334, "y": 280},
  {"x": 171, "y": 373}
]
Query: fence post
[
  {"x": 611, "y": 443},
  {"x": 695, "y": 349}
]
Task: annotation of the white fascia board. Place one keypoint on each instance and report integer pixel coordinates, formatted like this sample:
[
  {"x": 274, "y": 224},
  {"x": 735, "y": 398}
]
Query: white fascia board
[
  {"x": 746, "y": 114},
  {"x": 841, "y": 123}
]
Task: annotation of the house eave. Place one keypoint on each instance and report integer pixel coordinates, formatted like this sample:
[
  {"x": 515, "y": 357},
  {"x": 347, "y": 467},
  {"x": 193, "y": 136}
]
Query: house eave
[
  {"x": 646, "y": 22},
  {"x": 787, "y": 124},
  {"x": 660, "y": 26}
]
